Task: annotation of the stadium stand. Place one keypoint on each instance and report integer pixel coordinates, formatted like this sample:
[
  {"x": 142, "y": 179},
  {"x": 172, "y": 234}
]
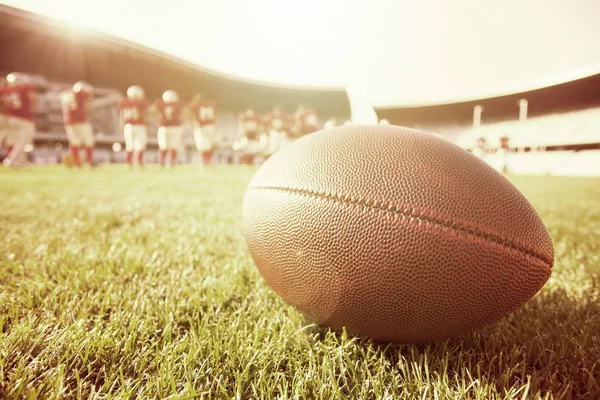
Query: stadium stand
[
  {"x": 555, "y": 144},
  {"x": 554, "y": 130},
  {"x": 560, "y": 136}
]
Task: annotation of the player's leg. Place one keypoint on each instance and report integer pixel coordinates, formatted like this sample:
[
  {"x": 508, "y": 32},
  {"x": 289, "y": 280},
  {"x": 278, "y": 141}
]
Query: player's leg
[
  {"x": 173, "y": 155},
  {"x": 171, "y": 145},
  {"x": 6, "y": 143},
  {"x": 129, "y": 145},
  {"x": 31, "y": 135},
  {"x": 88, "y": 142},
  {"x": 207, "y": 157},
  {"x": 222, "y": 148},
  {"x": 250, "y": 152},
  {"x": 5, "y": 135},
  {"x": 74, "y": 150},
  {"x": 210, "y": 142},
  {"x": 503, "y": 155},
  {"x": 175, "y": 142},
  {"x": 200, "y": 142},
  {"x": 75, "y": 142},
  {"x": 20, "y": 135},
  {"x": 162, "y": 144},
  {"x": 9, "y": 141},
  {"x": 139, "y": 143},
  {"x": 27, "y": 129}
]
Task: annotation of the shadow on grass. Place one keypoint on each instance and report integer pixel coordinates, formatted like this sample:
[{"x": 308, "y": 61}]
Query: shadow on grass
[{"x": 551, "y": 345}]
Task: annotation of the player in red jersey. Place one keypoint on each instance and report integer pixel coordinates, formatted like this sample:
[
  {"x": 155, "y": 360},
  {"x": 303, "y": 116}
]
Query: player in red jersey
[
  {"x": 306, "y": 121},
  {"x": 170, "y": 132},
  {"x": 133, "y": 119},
  {"x": 205, "y": 134},
  {"x": 76, "y": 103},
  {"x": 250, "y": 142},
  {"x": 278, "y": 126},
  {"x": 20, "y": 101}
]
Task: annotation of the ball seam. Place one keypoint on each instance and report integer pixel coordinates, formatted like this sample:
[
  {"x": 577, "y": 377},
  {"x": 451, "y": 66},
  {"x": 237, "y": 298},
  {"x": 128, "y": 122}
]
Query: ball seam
[{"x": 388, "y": 207}]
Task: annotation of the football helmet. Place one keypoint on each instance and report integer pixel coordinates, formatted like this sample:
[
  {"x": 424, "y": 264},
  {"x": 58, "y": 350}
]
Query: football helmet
[
  {"x": 135, "y": 92},
  {"x": 83, "y": 87},
  {"x": 17, "y": 79},
  {"x": 170, "y": 96}
]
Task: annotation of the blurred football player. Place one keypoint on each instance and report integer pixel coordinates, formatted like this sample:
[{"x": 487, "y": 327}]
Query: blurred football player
[
  {"x": 503, "y": 153},
  {"x": 133, "y": 119},
  {"x": 20, "y": 101},
  {"x": 76, "y": 104},
  {"x": 250, "y": 142},
  {"x": 170, "y": 132},
  {"x": 278, "y": 125},
  {"x": 305, "y": 121},
  {"x": 330, "y": 123},
  {"x": 480, "y": 149},
  {"x": 204, "y": 112}
]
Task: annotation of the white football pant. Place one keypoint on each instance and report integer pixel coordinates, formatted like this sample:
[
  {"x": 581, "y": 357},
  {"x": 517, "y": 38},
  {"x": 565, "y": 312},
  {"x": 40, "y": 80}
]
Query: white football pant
[
  {"x": 136, "y": 137},
  {"x": 18, "y": 133},
  {"x": 170, "y": 138},
  {"x": 205, "y": 137},
  {"x": 80, "y": 135}
]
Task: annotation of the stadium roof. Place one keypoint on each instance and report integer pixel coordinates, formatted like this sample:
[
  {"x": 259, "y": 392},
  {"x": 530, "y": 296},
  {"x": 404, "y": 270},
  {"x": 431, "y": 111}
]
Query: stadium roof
[
  {"x": 390, "y": 52},
  {"x": 577, "y": 94},
  {"x": 62, "y": 52}
]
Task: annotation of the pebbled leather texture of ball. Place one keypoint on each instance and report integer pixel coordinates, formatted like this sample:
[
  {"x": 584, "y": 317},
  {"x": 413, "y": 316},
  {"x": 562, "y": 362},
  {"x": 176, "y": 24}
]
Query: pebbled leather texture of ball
[{"x": 394, "y": 234}]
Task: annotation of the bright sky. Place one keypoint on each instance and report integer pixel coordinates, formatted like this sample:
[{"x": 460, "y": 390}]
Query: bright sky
[{"x": 388, "y": 52}]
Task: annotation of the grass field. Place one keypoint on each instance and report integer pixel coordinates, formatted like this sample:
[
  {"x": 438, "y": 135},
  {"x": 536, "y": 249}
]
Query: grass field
[{"x": 118, "y": 284}]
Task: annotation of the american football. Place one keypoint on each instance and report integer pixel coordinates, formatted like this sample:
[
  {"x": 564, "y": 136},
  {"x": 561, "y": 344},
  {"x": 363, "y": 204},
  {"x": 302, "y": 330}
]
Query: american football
[
  {"x": 361, "y": 228},
  {"x": 321, "y": 199}
]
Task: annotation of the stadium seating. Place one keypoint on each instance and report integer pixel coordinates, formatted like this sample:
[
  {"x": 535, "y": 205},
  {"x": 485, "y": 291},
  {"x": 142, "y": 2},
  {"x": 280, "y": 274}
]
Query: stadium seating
[
  {"x": 556, "y": 144},
  {"x": 571, "y": 128}
]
